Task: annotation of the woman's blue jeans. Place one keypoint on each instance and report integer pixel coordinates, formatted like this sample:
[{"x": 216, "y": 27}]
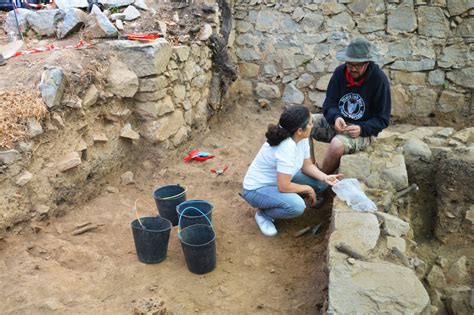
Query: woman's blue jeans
[{"x": 278, "y": 205}]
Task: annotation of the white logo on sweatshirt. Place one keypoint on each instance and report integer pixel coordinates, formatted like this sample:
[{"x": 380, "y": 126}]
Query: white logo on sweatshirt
[{"x": 352, "y": 106}]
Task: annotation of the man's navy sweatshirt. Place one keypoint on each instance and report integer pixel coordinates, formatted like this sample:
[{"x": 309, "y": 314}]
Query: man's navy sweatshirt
[{"x": 368, "y": 106}]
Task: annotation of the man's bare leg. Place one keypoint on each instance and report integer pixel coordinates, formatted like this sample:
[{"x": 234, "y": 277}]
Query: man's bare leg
[{"x": 333, "y": 156}]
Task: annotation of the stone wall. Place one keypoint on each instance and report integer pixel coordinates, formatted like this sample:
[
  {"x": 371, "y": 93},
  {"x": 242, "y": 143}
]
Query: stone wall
[
  {"x": 286, "y": 51},
  {"x": 149, "y": 99}
]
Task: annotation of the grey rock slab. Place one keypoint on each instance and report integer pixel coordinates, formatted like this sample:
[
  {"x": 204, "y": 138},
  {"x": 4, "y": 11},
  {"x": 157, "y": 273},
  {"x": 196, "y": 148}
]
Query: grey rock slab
[
  {"x": 270, "y": 91},
  {"x": 402, "y": 19},
  {"x": 465, "y": 29},
  {"x": 312, "y": 22},
  {"x": 397, "y": 176},
  {"x": 323, "y": 82},
  {"x": 119, "y": 25},
  {"x": 10, "y": 21},
  {"x": 358, "y": 230},
  {"x": 74, "y": 19},
  {"x": 153, "y": 84},
  {"x": 99, "y": 26},
  {"x": 396, "y": 242},
  {"x": 366, "y": 6},
  {"x": 393, "y": 225},
  {"x": 131, "y": 13},
  {"x": 436, "y": 278},
  {"x": 128, "y": 133},
  {"x": 298, "y": 14},
  {"x": 145, "y": 59},
  {"x": 355, "y": 166},
  {"x": 465, "y": 136},
  {"x": 450, "y": 101},
  {"x": 463, "y": 77},
  {"x": 436, "y": 77},
  {"x": 415, "y": 148},
  {"x": 331, "y": 8},
  {"x": 341, "y": 22},
  {"x": 400, "y": 101},
  {"x": 69, "y": 161},
  {"x": 291, "y": 95},
  {"x": 454, "y": 56},
  {"x": 432, "y": 22},
  {"x": 375, "y": 288},
  {"x": 269, "y": 20},
  {"x": 169, "y": 126},
  {"x": 44, "y": 22},
  {"x": 52, "y": 86},
  {"x": 370, "y": 24},
  {"x": 121, "y": 81},
  {"x": 304, "y": 80},
  {"x": 9, "y": 156},
  {"x": 414, "y": 66},
  {"x": 457, "y": 7},
  {"x": 150, "y": 96},
  {"x": 316, "y": 66},
  {"x": 117, "y": 16},
  {"x": 425, "y": 102},
  {"x": 24, "y": 178},
  {"x": 290, "y": 77},
  {"x": 248, "y": 54},
  {"x": 182, "y": 52},
  {"x": 65, "y": 4},
  {"x": 317, "y": 98}
]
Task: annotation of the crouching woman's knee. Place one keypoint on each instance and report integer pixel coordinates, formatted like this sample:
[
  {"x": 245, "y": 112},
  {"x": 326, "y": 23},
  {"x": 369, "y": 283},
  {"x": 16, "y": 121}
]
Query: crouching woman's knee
[{"x": 295, "y": 208}]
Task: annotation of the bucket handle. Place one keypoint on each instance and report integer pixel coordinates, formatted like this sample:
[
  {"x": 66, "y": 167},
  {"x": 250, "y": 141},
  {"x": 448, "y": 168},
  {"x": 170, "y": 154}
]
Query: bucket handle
[
  {"x": 136, "y": 210},
  {"x": 181, "y": 215},
  {"x": 177, "y": 195}
]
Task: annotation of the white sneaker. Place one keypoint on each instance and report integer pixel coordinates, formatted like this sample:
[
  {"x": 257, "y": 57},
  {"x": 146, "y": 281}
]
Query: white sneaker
[{"x": 265, "y": 224}]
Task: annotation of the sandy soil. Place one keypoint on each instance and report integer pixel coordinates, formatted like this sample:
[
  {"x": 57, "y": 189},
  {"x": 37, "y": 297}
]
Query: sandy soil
[{"x": 44, "y": 269}]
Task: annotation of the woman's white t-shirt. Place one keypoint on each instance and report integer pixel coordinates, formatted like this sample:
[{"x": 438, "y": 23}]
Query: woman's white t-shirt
[{"x": 286, "y": 158}]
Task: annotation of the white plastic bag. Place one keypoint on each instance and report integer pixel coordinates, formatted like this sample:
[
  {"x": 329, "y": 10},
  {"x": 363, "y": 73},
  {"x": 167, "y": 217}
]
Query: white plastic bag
[{"x": 350, "y": 191}]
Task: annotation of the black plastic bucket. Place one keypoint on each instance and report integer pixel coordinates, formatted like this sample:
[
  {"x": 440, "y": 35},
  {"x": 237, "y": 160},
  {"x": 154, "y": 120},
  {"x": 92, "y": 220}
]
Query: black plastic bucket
[
  {"x": 199, "y": 247},
  {"x": 167, "y": 198},
  {"x": 196, "y": 212},
  {"x": 151, "y": 239}
]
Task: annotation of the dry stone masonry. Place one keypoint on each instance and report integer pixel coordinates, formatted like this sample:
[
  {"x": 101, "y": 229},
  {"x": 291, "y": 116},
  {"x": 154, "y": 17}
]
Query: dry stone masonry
[{"x": 286, "y": 50}]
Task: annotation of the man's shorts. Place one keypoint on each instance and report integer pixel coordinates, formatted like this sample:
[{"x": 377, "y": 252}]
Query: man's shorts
[{"x": 323, "y": 132}]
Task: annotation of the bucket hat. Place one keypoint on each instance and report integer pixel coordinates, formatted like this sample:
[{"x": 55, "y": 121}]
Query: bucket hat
[{"x": 359, "y": 50}]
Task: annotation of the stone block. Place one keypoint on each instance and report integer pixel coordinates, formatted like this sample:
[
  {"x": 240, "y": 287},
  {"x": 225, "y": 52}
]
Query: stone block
[
  {"x": 393, "y": 225},
  {"x": 432, "y": 22},
  {"x": 402, "y": 19},
  {"x": 121, "y": 81},
  {"x": 69, "y": 161},
  {"x": 355, "y": 166},
  {"x": 450, "y": 101}
]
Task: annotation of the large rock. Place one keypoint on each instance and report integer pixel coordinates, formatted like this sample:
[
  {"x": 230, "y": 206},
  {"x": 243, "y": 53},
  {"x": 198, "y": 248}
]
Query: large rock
[
  {"x": 456, "y": 7},
  {"x": 65, "y": 4},
  {"x": 10, "y": 24},
  {"x": 416, "y": 149},
  {"x": 403, "y": 77},
  {"x": 454, "y": 56},
  {"x": 366, "y": 6},
  {"x": 153, "y": 84},
  {"x": 341, "y": 22},
  {"x": 52, "y": 86},
  {"x": 400, "y": 99},
  {"x": 375, "y": 288},
  {"x": 69, "y": 161},
  {"x": 370, "y": 24},
  {"x": 163, "y": 129},
  {"x": 450, "y": 101},
  {"x": 356, "y": 166},
  {"x": 393, "y": 225},
  {"x": 402, "y": 19},
  {"x": 463, "y": 77},
  {"x": 269, "y": 20},
  {"x": 44, "y": 22},
  {"x": 145, "y": 59},
  {"x": 425, "y": 102},
  {"x": 99, "y": 26},
  {"x": 73, "y": 21},
  {"x": 131, "y": 13},
  {"x": 121, "y": 81},
  {"x": 323, "y": 82},
  {"x": 291, "y": 95},
  {"x": 414, "y": 66},
  {"x": 312, "y": 22},
  {"x": 267, "y": 90},
  {"x": 465, "y": 29},
  {"x": 432, "y": 22}
]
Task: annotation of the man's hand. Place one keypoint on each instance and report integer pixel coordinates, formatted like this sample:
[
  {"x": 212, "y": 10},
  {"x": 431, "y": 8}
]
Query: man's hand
[
  {"x": 340, "y": 125},
  {"x": 353, "y": 131}
]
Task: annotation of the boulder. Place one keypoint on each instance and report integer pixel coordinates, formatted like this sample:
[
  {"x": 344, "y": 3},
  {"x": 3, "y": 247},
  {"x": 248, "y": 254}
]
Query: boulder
[
  {"x": 463, "y": 77},
  {"x": 291, "y": 95},
  {"x": 121, "y": 81},
  {"x": 128, "y": 133},
  {"x": 74, "y": 19},
  {"x": 99, "y": 26},
  {"x": 375, "y": 288},
  {"x": 402, "y": 19},
  {"x": 52, "y": 86},
  {"x": 270, "y": 91},
  {"x": 10, "y": 21},
  {"x": 44, "y": 22},
  {"x": 432, "y": 22},
  {"x": 145, "y": 59},
  {"x": 393, "y": 225},
  {"x": 69, "y": 161}
]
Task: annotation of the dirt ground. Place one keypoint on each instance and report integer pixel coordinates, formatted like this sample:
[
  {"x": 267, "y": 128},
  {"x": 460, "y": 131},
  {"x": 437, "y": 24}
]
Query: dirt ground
[{"x": 44, "y": 269}]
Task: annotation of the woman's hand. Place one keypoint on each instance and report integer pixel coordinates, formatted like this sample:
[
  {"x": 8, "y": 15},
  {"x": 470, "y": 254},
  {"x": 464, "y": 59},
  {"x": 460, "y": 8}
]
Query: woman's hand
[
  {"x": 333, "y": 179},
  {"x": 312, "y": 197}
]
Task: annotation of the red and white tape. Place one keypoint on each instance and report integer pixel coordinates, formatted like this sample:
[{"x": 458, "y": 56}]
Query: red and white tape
[{"x": 50, "y": 47}]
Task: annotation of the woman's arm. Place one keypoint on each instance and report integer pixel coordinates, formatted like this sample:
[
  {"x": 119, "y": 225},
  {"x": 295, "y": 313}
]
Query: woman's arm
[
  {"x": 286, "y": 185},
  {"x": 311, "y": 170}
]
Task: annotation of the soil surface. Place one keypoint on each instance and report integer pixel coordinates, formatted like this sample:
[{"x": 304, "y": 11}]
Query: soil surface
[{"x": 45, "y": 269}]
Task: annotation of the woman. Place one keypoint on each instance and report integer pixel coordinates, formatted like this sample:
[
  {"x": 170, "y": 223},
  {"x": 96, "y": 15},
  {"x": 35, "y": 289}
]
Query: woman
[{"x": 282, "y": 170}]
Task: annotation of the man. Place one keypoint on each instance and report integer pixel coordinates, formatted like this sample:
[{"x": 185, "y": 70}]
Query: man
[{"x": 357, "y": 105}]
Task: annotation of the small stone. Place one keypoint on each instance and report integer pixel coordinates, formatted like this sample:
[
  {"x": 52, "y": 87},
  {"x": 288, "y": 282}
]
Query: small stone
[
  {"x": 100, "y": 137},
  {"x": 112, "y": 190},
  {"x": 205, "y": 32},
  {"x": 128, "y": 133},
  {"x": 119, "y": 25},
  {"x": 24, "y": 178},
  {"x": 131, "y": 13},
  {"x": 58, "y": 119},
  {"x": 81, "y": 146},
  {"x": 42, "y": 209},
  {"x": 127, "y": 178},
  {"x": 34, "y": 127},
  {"x": 396, "y": 242},
  {"x": 351, "y": 260},
  {"x": 69, "y": 161}
]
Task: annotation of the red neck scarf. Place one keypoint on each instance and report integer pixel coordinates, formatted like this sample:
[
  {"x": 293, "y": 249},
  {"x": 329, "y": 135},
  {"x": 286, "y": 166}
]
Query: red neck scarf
[{"x": 350, "y": 79}]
